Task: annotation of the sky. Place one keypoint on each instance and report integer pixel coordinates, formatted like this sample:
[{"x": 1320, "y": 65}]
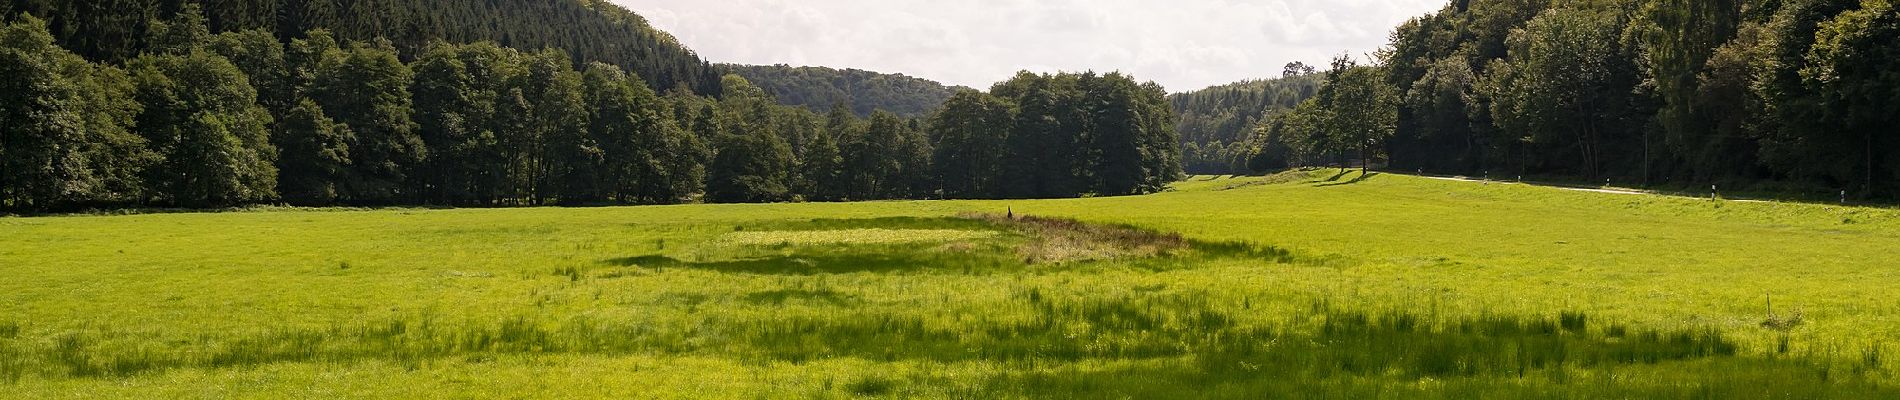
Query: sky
[{"x": 1183, "y": 44}]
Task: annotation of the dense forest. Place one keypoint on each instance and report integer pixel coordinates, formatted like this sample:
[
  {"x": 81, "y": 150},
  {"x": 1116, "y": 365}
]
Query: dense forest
[
  {"x": 204, "y": 119},
  {"x": 1217, "y": 123},
  {"x": 1774, "y": 95},
  {"x": 863, "y": 92},
  {"x": 167, "y": 103},
  {"x": 589, "y": 30},
  {"x": 1057, "y": 135}
]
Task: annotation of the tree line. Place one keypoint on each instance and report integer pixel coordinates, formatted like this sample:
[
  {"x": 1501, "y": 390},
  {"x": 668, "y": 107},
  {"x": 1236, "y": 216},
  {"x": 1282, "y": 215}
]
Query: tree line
[
  {"x": 199, "y": 119},
  {"x": 1782, "y": 95},
  {"x": 1060, "y": 135},
  {"x": 1217, "y": 123},
  {"x": 589, "y": 30},
  {"x": 863, "y": 92}
]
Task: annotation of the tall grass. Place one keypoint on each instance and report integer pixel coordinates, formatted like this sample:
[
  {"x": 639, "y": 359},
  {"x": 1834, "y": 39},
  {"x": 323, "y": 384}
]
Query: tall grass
[
  {"x": 1030, "y": 331},
  {"x": 1383, "y": 288}
]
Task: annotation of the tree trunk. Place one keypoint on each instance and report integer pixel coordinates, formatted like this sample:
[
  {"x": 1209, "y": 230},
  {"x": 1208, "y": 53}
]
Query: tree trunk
[
  {"x": 1646, "y": 158},
  {"x": 1364, "y": 163}
]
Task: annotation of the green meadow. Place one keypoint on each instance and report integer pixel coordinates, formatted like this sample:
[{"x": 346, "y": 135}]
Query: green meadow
[{"x": 1299, "y": 285}]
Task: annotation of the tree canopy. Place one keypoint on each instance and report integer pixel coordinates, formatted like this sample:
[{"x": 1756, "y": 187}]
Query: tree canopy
[
  {"x": 205, "y": 119},
  {"x": 590, "y": 30},
  {"x": 862, "y": 92},
  {"x": 1786, "y": 95}
]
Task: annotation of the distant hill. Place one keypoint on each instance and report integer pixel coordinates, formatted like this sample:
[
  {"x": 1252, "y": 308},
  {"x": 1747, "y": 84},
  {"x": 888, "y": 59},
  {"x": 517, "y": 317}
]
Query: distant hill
[
  {"x": 818, "y": 88},
  {"x": 590, "y": 30},
  {"x": 1227, "y": 113},
  {"x": 1217, "y": 123}
]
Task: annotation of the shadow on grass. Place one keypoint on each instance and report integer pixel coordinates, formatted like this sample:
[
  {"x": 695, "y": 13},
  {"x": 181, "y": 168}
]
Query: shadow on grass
[
  {"x": 1141, "y": 345},
  {"x": 1166, "y": 326},
  {"x": 1166, "y": 347},
  {"x": 1335, "y": 178},
  {"x": 649, "y": 261},
  {"x": 1716, "y": 378},
  {"x": 1334, "y": 181}
]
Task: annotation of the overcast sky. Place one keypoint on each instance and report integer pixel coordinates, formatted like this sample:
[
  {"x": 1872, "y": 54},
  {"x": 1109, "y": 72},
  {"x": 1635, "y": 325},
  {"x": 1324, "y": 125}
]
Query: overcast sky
[{"x": 1182, "y": 44}]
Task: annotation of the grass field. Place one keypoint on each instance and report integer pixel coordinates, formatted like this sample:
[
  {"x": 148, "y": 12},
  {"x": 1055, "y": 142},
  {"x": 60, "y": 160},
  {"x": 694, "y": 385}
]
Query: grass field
[{"x": 1299, "y": 285}]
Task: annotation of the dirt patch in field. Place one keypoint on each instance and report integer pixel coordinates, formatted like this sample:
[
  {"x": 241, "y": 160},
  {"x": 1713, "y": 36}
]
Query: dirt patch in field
[
  {"x": 968, "y": 244},
  {"x": 1055, "y": 240}
]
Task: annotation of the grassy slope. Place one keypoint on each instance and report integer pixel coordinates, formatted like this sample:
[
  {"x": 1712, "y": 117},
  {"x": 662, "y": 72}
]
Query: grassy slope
[
  {"x": 1513, "y": 248},
  {"x": 1436, "y": 248}
]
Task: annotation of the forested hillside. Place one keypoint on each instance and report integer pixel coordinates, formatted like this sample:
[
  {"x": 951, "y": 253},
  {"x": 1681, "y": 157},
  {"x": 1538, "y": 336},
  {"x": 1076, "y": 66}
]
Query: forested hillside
[
  {"x": 1061, "y": 135},
  {"x": 864, "y": 92},
  {"x": 199, "y": 119},
  {"x": 590, "y": 30},
  {"x": 1217, "y": 123},
  {"x": 1781, "y": 95}
]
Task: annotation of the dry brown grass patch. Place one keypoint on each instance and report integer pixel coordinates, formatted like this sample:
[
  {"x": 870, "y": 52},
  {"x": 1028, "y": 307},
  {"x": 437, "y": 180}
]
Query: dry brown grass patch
[{"x": 1056, "y": 240}]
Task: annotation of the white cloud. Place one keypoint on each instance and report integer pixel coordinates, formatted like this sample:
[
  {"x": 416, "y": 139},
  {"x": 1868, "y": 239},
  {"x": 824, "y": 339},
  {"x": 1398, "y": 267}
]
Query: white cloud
[{"x": 1183, "y": 44}]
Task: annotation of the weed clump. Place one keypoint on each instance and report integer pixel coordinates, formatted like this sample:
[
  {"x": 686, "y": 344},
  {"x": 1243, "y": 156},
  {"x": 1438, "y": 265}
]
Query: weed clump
[
  {"x": 573, "y": 274},
  {"x": 1779, "y": 323},
  {"x": 1574, "y": 322},
  {"x": 1783, "y": 323},
  {"x": 872, "y": 386}
]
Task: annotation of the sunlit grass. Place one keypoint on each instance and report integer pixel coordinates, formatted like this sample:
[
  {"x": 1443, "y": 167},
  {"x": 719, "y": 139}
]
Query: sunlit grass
[
  {"x": 853, "y": 236},
  {"x": 1304, "y": 284}
]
